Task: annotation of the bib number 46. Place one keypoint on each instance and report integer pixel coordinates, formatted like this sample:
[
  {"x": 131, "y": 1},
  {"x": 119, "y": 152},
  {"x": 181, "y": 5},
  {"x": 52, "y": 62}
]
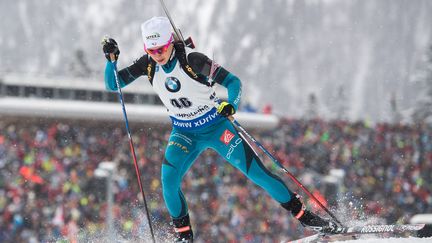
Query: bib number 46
[{"x": 181, "y": 102}]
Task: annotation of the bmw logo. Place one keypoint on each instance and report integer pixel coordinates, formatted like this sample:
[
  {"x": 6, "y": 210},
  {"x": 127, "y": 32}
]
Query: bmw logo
[{"x": 172, "y": 84}]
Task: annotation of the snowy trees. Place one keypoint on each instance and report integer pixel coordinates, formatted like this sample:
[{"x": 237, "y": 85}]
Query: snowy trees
[{"x": 423, "y": 109}]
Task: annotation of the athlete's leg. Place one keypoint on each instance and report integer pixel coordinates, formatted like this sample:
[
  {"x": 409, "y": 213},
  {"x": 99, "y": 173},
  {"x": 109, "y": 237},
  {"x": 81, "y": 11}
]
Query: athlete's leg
[
  {"x": 237, "y": 152},
  {"x": 180, "y": 154}
]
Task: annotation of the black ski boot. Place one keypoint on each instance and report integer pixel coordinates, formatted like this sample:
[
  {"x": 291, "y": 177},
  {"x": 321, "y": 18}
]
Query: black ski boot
[
  {"x": 307, "y": 218},
  {"x": 183, "y": 229}
]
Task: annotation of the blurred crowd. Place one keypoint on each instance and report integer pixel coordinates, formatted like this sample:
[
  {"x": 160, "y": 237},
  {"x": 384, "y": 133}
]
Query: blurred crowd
[{"x": 49, "y": 191}]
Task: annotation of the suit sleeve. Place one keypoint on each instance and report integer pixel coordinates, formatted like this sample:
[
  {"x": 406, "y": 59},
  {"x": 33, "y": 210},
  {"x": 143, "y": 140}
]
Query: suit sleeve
[
  {"x": 126, "y": 75},
  {"x": 202, "y": 64}
]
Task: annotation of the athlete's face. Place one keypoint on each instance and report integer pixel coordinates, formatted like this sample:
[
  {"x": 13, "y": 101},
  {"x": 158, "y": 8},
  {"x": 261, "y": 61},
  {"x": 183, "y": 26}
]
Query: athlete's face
[{"x": 161, "y": 54}]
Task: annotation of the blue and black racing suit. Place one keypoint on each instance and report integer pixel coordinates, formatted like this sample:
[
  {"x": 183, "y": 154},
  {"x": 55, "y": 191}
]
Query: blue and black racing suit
[{"x": 196, "y": 124}]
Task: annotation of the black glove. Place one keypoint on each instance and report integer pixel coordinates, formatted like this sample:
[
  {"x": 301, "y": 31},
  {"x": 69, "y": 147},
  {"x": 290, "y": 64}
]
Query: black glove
[
  {"x": 226, "y": 109},
  {"x": 179, "y": 46},
  {"x": 109, "y": 46}
]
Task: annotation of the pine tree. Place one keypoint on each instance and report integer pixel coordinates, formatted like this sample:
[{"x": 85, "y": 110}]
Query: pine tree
[
  {"x": 341, "y": 104},
  {"x": 395, "y": 113},
  {"x": 423, "y": 109},
  {"x": 312, "y": 107}
]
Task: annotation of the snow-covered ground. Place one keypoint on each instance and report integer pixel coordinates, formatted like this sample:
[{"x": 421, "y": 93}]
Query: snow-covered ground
[
  {"x": 390, "y": 240},
  {"x": 369, "y": 238}
]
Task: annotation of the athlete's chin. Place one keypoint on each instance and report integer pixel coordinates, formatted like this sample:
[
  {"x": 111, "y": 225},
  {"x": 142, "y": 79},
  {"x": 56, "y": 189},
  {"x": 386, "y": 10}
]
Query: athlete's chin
[{"x": 162, "y": 61}]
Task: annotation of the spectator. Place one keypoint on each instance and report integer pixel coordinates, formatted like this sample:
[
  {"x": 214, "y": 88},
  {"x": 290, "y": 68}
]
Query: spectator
[{"x": 48, "y": 190}]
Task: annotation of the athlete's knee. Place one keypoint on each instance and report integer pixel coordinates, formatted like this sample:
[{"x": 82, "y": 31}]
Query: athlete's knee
[
  {"x": 261, "y": 175},
  {"x": 256, "y": 170},
  {"x": 170, "y": 155},
  {"x": 170, "y": 177},
  {"x": 259, "y": 178}
]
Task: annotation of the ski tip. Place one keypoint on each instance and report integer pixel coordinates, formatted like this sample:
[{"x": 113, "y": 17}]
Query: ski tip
[
  {"x": 419, "y": 226},
  {"x": 345, "y": 233},
  {"x": 408, "y": 227}
]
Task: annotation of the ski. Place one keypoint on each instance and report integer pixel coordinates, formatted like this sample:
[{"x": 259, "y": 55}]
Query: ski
[
  {"x": 374, "y": 229},
  {"x": 358, "y": 230}
]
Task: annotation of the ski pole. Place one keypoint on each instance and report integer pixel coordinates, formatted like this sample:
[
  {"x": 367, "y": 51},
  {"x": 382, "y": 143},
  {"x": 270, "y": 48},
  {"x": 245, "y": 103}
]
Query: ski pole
[
  {"x": 177, "y": 32},
  {"x": 188, "y": 42},
  {"x": 284, "y": 169},
  {"x": 131, "y": 145}
]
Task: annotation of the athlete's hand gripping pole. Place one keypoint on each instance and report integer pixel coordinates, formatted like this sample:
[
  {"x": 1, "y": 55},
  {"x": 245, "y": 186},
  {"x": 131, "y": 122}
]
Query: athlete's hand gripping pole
[
  {"x": 242, "y": 130},
  {"x": 113, "y": 58}
]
